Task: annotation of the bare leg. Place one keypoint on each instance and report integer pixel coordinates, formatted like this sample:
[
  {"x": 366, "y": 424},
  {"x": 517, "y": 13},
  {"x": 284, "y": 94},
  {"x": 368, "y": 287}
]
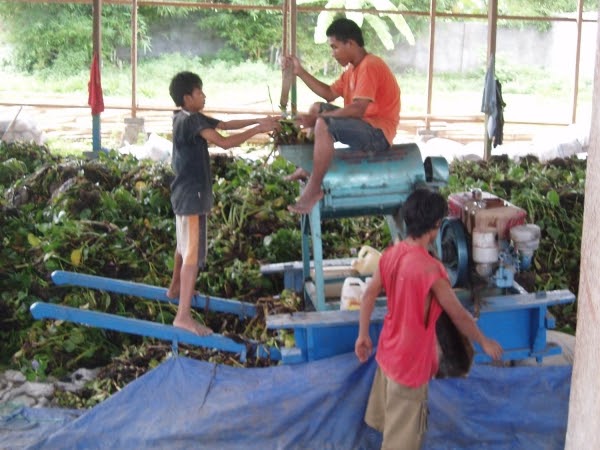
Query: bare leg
[
  {"x": 174, "y": 287},
  {"x": 173, "y": 291},
  {"x": 299, "y": 174},
  {"x": 323, "y": 154},
  {"x": 184, "y": 318}
]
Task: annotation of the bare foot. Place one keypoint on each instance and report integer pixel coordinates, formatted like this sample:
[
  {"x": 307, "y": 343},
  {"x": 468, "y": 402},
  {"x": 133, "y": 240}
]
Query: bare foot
[
  {"x": 173, "y": 294},
  {"x": 305, "y": 204},
  {"x": 193, "y": 326},
  {"x": 299, "y": 174}
]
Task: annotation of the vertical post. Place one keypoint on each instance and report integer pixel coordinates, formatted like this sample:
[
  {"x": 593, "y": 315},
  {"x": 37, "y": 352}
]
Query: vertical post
[
  {"x": 492, "y": 25},
  {"x": 432, "y": 11},
  {"x": 133, "y": 125},
  {"x": 583, "y": 427},
  {"x": 96, "y": 50},
  {"x": 292, "y": 28},
  {"x": 134, "y": 33},
  {"x": 577, "y": 60}
]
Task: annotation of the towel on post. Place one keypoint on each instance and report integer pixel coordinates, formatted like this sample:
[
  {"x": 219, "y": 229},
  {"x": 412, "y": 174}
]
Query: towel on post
[{"x": 95, "y": 99}]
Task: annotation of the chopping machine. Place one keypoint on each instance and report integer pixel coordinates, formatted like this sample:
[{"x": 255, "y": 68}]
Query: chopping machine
[{"x": 485, "y": 244}]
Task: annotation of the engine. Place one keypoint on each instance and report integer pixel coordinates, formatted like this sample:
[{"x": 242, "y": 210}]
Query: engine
[{"x": 488, "y": 235}]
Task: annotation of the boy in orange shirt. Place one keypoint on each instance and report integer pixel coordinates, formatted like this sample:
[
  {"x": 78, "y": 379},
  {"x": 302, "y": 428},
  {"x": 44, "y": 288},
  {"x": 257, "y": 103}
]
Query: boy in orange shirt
[{"x": 371, "y": 109}]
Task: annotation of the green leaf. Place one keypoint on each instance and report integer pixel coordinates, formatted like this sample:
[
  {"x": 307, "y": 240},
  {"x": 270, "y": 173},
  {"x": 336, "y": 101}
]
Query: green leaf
[
  {"x": 33, "y": 240},
  {"x": 553, "y": 198},
  {"x": 397, "y": 19},
  {"x": 382, "y": 30},
  {"x": 76, "y": 257}
]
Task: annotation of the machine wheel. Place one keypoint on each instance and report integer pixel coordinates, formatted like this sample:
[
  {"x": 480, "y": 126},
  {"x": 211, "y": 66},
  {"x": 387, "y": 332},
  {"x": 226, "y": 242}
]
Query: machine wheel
[{"x": 453, "y": 250}]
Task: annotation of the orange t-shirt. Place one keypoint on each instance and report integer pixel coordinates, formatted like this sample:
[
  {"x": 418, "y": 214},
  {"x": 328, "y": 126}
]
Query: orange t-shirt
[
  {"x": 407, "y": 351},
  {"x": 373, "y": 80}
]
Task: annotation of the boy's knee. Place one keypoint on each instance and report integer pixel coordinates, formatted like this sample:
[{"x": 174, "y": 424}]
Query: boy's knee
[
  {"x": 190, "y": 259},
  {"x": 315, "y": 108}
]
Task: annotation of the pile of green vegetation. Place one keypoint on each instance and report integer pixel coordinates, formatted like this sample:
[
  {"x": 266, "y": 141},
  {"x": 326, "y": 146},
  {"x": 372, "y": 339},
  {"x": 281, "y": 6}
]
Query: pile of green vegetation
[{"x": 112, "y": 217}]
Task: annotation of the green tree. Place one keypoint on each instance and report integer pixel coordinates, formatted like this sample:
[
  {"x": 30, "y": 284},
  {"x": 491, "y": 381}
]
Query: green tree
[
  {"x": 376, "y": 21},
  {"x": 59, "y": 36},
  {"x": 252, "y": 33}
]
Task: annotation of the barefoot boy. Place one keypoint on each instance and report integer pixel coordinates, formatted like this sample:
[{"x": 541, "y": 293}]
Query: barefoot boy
[
  {"x": 371, "y": 109},
  {"x": 191, "y": 190}
]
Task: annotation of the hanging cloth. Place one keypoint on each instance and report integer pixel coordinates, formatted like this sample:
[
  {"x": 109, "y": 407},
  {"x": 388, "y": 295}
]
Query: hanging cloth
[
  {"x": 499, "y": 121},
  {"x": 95, "y": 99},
  {"x": 488, "y": 102}
]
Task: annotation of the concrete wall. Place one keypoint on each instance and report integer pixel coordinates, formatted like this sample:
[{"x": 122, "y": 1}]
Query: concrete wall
[
  {"x": 462, "y": 47},
  {"x": 170, "y": 35}
]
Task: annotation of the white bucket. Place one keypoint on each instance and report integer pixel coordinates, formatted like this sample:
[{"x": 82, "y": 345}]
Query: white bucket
[
  {"x": 366, "y": 261},
  {"x": 352, "y": 292}
]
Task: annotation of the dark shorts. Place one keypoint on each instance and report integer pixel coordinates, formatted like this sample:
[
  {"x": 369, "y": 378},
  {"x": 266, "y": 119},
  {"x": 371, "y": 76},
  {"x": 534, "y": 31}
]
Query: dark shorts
[{"x": 355, "y": 133}]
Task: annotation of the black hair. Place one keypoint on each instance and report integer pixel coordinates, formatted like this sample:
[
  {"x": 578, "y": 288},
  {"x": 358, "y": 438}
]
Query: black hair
[
  {"x": 182, "y": 84},
  {"x": 422, "y": 212},
  {"x": 345, "y": 30}
]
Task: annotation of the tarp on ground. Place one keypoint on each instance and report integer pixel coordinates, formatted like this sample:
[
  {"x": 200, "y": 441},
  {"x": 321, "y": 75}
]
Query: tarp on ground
[{"x": 185, "y": 403}]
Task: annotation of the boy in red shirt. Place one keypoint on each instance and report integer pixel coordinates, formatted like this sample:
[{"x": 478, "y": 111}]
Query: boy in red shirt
[{"x": 417, "y": 289}]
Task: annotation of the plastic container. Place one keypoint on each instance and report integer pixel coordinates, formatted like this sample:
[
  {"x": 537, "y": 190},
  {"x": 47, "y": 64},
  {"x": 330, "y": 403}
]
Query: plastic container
[
  {"x": 366, "y": 261},
  {"x": 352, "y": 292},
  {"x": 333, "y": 289}
]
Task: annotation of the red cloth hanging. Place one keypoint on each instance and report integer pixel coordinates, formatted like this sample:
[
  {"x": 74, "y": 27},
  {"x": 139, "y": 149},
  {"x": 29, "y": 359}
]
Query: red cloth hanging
[{"x": 95, "y": 99}]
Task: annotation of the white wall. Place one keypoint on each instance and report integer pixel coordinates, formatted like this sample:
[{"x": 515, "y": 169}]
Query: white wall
[{"x": 462, "y": 47}]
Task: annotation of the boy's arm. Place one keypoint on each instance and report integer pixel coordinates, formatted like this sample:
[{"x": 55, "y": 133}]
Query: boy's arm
[
  {"x": 243, "y": 123},
  {"x": 323, "y": 90},
  {"x": 225, "y": 142},
  {"x": 355, "y": 109},
  {"x": 463, "y": 319},
  {"x": 364, "y": 346}
]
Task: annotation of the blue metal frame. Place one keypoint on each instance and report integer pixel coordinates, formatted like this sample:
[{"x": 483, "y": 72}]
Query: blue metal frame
[
  {"x": 41, "y": 310},
  {"x": 240, "y": 309},
  {"x": 517, "y": 320}
]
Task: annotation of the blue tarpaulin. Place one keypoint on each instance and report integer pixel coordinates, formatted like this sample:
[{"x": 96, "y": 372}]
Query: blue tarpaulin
[{"x": 185, "y": 403}]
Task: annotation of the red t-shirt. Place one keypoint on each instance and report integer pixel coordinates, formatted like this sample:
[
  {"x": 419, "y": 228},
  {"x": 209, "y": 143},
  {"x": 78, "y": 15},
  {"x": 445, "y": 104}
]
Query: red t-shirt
[
  {"x": 373, "y": 80},
  {"x": 407, "y": 351}
]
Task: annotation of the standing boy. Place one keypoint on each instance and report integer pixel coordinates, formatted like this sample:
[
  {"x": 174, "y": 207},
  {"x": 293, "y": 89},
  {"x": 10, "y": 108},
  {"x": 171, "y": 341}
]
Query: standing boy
[
  {"x": 191, "y": 190},
  {"x": 417, "y": 289},
  {"x": 371, "y": 111}
]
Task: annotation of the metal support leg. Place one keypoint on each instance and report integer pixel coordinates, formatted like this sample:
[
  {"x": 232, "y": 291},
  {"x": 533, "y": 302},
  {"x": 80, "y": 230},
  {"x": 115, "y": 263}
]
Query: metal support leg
[{"x": 317, "y": 241}]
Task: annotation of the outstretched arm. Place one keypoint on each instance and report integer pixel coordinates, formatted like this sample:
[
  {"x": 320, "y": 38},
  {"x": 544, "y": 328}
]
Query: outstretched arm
[
  {"x": 463, "y": 319},
  {"x": 243, "y": 123},
  {"x": 225, "y": 142}
]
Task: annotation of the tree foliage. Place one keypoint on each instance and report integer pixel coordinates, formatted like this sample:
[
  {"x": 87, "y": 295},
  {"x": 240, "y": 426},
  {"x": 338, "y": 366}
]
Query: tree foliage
[{"x": 58, "y": 36}]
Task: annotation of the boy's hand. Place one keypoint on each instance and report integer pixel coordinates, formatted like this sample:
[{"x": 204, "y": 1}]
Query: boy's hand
[
  {"x": 306, "y": 120},
  {"x": 269, "y": 123},
  {"x": 291, "y": 62},
  {"x": 363, "y": 348},
  {"x": 492, "y": 349}
]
